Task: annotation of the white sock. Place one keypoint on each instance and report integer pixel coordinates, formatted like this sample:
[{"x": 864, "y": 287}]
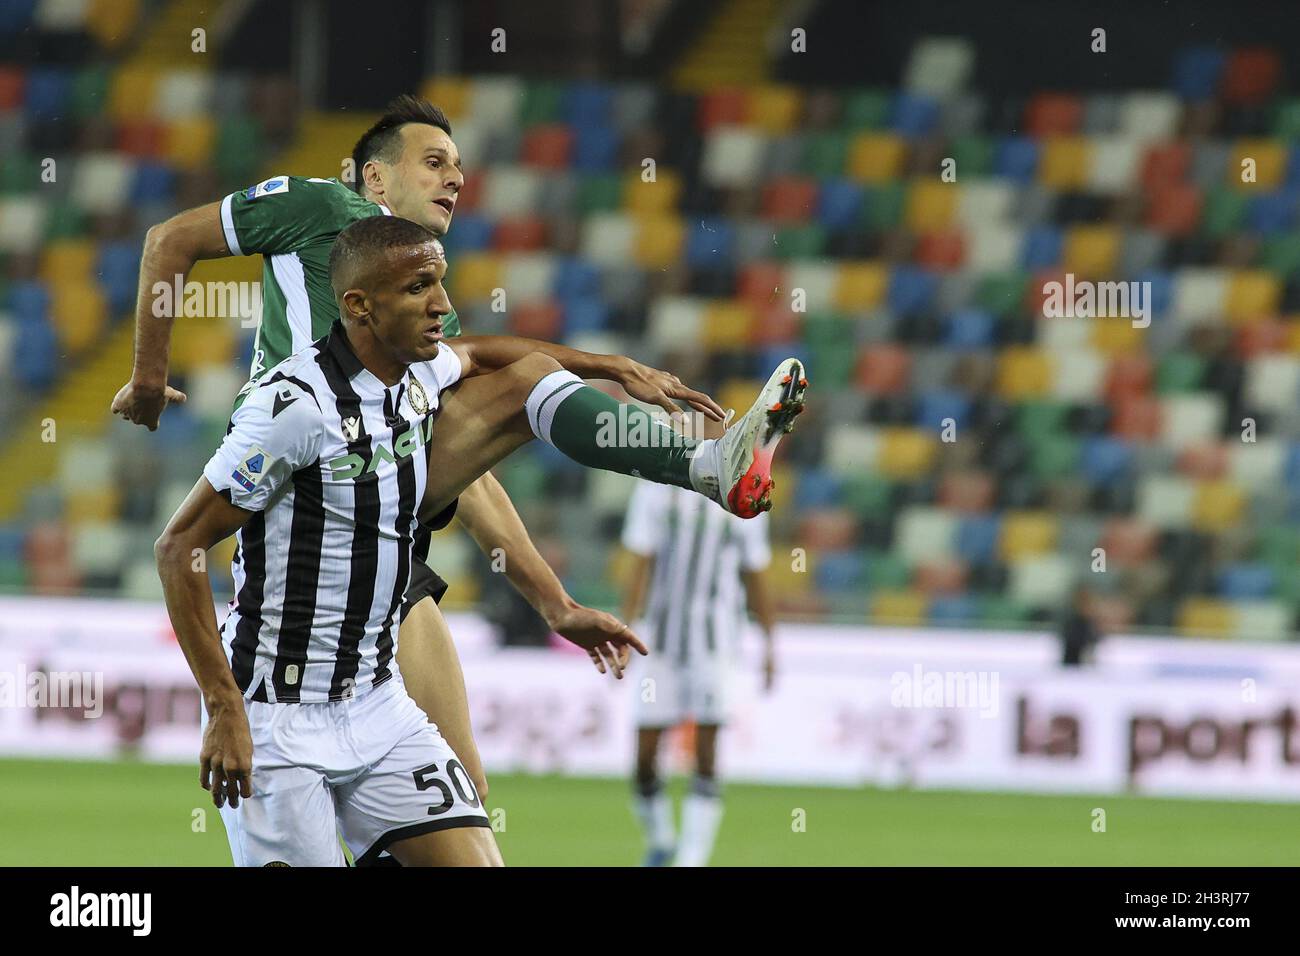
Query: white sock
[
  {"x": 545, "y": 398},
  {"x": 655, "y": 814},
  {"x": 701, "y": 816},
  {"x": 704, "y": 468}
]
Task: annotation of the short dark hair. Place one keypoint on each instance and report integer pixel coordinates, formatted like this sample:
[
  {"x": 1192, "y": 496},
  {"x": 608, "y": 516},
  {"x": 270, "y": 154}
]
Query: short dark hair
[
  {"x": 360, "y": 244},
  {"x": 381, "y": 141}
]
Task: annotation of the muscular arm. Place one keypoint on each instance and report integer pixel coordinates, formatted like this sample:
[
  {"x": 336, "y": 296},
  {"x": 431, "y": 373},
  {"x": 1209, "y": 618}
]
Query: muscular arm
[
  {"x": 171, "y": 248},
  {"x": 203, "y": 519},
  {"x": 483, "y": 354},
  {"x": 489, "y": 516}
]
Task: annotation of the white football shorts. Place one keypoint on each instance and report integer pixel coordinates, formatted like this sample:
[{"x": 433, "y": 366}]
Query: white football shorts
[
  {"x": 668, "y": 692},
  {"x": 372, "y": 769}
]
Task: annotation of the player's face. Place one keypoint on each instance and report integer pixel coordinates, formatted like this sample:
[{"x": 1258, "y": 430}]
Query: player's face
[
  {"x": 425, "y": 181},
  {"x": 409, "y": 302}
]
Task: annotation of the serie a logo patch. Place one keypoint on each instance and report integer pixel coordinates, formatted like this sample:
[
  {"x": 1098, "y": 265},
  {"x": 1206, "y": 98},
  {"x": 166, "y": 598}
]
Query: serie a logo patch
[
  {"x": 277, "y": 184},
  {"x": 252, "y": 469}
]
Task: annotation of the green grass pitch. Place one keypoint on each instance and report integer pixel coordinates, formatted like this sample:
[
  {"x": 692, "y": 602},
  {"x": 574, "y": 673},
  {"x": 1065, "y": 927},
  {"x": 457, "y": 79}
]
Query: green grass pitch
[{"x": 59, "y": 813}]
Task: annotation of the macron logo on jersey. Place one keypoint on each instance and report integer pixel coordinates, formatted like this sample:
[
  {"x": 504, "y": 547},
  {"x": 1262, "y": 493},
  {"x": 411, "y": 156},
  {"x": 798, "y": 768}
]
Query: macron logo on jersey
[{"x": 279, "y": 184}]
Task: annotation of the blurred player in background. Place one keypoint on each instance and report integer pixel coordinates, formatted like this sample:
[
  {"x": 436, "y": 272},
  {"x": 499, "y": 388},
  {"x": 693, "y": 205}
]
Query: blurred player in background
[{"x": 693, "y": 560}]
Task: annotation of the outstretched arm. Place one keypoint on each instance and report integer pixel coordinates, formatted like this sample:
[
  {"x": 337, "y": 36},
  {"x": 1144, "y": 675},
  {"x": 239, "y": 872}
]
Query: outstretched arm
[
  {"x": 481, "y": 354},
  {"x": 171, "y": 248},
  {"x": 490, "y": 517}
]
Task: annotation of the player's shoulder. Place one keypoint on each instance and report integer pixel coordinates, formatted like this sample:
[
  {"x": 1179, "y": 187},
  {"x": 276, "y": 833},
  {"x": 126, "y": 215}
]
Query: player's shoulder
[
  {"x": 294, "y": 382},
  {"x": 313, "y": 193},
  {"x": 440, "y": 371}
]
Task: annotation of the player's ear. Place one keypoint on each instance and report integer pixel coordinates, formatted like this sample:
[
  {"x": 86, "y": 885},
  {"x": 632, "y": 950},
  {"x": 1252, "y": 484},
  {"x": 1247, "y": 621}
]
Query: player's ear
[
  {"x": 357, "y": 305},
  {"x": 372, "y": 175}
]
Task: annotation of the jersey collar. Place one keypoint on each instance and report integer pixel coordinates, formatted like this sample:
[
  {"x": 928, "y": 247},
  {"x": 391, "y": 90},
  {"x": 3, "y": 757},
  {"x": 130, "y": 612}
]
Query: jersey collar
[{"x": 339, "y": 350}]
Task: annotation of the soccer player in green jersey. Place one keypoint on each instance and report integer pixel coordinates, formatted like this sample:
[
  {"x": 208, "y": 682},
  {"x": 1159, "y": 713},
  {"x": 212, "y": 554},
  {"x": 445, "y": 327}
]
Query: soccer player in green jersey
[{"x": 406, "y": 165}]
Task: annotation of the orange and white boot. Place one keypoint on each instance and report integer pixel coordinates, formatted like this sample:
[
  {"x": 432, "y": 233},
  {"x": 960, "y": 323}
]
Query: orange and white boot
[{"x": 736, "y": 469}]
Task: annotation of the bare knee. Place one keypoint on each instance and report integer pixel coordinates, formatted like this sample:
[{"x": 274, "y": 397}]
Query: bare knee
[{"x": 531, "y": 369}]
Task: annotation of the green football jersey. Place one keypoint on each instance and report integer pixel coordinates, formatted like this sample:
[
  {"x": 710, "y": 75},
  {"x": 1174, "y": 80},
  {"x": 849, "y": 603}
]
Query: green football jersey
[{"x": 292, "y": 222}]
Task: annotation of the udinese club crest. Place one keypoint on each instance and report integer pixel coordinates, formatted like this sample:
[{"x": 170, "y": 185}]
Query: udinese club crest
[{"x": 417, "y": 397}]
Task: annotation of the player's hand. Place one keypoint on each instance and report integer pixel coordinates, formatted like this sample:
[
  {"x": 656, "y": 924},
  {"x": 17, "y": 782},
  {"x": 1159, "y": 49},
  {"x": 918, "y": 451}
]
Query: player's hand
[
  {"x": 769, "y": 669},
  {"x": 226, "y": 758},
  {"x": 607, "y": 640},
  {"x": 650, "y": 385},
  {"x": 143, "y": 405}
]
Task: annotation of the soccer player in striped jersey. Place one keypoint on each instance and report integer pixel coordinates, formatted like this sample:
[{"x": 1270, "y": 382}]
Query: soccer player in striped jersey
[
  {"x": 406, "y": 164},
  {"x": 321, "y": 476},
  {"x": 694, "y": 561}
]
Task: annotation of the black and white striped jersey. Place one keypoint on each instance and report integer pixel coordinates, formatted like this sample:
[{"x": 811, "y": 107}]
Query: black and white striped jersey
[
  {"x": 695, "y": 604},
  {"x": 333, "y": 464}
]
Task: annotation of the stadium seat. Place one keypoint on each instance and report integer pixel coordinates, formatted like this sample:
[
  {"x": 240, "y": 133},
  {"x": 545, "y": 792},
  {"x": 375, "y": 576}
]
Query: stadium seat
[
  {"x": 511, "y": 191},
  {"x": 905, "y": 453},
  {"x": 884, "y": 369},
  {"x": 899, "y": 608},
  {"x": 1191, "y": 418},
  {"x": 710, "y": 242},
  {"x": 727, "y": 325},
  {"x": 595, "y": 148},
  {"x": 941, "y": 250},
  {"x": 966, "y": 492},
  {"x": 941, "y": 576},
  {"x": 1025, "y": 534},
  {"x": 732, "y": 156},
  {"x": 939, "y": 66},
  {"x": 839, "y": 204},
  {"x": 676, "y": 321},
  {"x": 876, "y": 157},
  {"x": 825, "y": 154},
  {"x": 536, "y": 320},
  {"x": 1114, "y": 163},
  {"x": 1165, "y": 501},
  {"x": 824, "y": 529},
  {"x": 1023, "y": 373},
  {"x": 548, "y": 146},
  {"x": 1016, "y": 158},
  {"x": 1042, "y": 580},
  {"x": 38, "y": 344},
  {"x": 1053, "y": 114},
  {"x": 1205, "y": 617},
  {"x": 1272, "y": 212},
  {"x": 1197, "y": 71},
  {"x": 183, "y": 94},
  {"x": 1065, "y": 163},
  {"x": 1250, "y": 75},
  {"x": 861, "y": 285},
  {"x": 1217, "y": 506},
  {"x": 608, "y": 239},
  {"x": 773, "y": 109},
  {"x": 78, "y": 313},
  {"x": 969, "y": 329}
]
